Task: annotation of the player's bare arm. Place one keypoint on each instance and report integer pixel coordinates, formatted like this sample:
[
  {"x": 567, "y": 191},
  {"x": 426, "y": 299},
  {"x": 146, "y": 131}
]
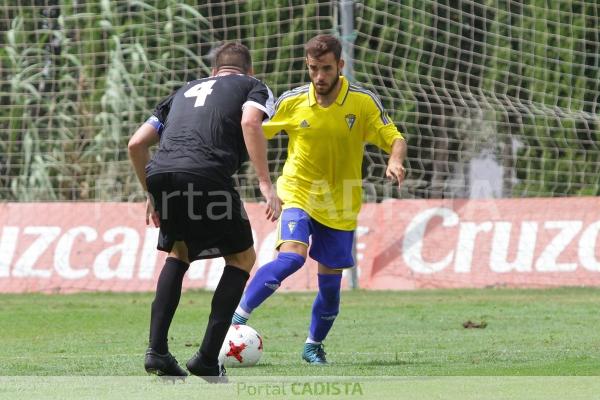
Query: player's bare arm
[
  {"x": 257, "y": 150},
  {"x": 139, "y": 153},
  {"x": 395, "y": 168}
]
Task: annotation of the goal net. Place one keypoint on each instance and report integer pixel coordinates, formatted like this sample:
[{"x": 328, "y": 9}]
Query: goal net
[{"x": 497, "y": 98}]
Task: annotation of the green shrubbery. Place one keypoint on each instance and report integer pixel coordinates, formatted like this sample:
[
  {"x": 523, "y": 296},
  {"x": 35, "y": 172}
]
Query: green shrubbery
[{"x": 77, "y": 78}]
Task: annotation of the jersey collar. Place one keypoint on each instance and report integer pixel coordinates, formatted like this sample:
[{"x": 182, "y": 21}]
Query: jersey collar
[{"x": 312, "y": 99}]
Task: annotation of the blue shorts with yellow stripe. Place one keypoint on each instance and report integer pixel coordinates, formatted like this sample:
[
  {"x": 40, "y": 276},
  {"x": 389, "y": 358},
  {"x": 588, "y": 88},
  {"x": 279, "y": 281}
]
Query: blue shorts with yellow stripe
[{"x": 331, "y": 247}]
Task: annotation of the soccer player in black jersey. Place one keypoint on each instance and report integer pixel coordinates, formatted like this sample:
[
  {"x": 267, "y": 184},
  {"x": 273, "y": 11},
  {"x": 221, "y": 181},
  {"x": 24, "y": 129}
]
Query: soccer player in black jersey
[{"x": 205, "y": 130}]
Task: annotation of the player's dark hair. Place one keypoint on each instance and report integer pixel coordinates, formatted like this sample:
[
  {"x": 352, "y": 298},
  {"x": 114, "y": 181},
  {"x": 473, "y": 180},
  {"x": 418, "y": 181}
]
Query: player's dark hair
[
  {"x": 234, "y": 55},
  {"x": 323, "y": 44}
]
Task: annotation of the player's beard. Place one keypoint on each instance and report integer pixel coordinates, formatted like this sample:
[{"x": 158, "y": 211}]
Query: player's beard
[{"x": 326, "y": 91}]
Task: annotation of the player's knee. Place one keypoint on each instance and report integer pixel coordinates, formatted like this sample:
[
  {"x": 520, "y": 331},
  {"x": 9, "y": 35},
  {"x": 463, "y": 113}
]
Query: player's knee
[
  {"x": 277, "y": 270},
  {"x": 294, "y": 247},
  {"x": 249, "y": 258},
  {"x": 180, "y": 252},
  {"x": 287, "y": 264},
  {"x": 291, "y": 261},
  {"x": 244, "y": 260}
]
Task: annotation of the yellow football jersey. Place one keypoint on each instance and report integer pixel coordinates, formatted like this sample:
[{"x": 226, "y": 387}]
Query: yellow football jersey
[{"x": 322, "y": 173}]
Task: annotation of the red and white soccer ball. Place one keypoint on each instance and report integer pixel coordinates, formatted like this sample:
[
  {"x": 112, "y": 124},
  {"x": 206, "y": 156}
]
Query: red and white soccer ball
[{"x": 242, "y": 347}]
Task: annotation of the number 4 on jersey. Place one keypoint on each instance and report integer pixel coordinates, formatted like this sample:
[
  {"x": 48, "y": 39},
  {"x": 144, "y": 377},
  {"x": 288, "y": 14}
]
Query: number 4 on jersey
[{"x": 200, "y": 91}]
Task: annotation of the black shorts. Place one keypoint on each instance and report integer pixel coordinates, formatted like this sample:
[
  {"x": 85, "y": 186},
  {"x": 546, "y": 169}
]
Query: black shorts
[{"x": 209, "y": 218}]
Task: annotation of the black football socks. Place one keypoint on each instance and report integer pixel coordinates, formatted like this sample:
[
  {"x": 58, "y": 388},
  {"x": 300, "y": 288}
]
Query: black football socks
[
  {"x": 168, "y": 293},
  {"x": 224, "y": 302}
]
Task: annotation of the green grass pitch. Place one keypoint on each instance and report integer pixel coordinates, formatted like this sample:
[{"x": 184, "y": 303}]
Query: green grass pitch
[{"x": 420, "y": 333}]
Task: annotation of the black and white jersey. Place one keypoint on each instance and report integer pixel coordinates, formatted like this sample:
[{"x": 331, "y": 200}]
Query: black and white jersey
[{"x": 200, "y": 126}]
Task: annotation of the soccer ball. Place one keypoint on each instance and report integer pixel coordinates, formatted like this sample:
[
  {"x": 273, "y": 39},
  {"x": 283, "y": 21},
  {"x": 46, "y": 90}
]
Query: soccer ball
[{"x": 242, "y": 347}]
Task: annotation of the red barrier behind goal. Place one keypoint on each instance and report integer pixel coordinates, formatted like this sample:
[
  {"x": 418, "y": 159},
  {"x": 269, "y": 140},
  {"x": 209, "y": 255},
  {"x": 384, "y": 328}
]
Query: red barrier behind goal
[{"x": 401, "y": 244}]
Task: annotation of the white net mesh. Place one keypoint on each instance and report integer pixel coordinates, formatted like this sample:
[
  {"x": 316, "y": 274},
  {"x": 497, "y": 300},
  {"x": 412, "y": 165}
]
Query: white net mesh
[{"x": 497, "y": 99}]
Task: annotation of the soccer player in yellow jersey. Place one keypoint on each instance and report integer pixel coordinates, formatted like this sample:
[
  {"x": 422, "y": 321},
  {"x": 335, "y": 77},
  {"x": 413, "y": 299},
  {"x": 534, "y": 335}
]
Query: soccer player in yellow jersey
[{"x": 327, "y": 122}]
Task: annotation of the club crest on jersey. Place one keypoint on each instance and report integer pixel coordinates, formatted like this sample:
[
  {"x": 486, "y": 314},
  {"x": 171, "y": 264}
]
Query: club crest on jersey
[
  {"x": 292, "y": 226},
  {"x": 304, "y": 124},
  {"x": 350, "y": 119}
]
